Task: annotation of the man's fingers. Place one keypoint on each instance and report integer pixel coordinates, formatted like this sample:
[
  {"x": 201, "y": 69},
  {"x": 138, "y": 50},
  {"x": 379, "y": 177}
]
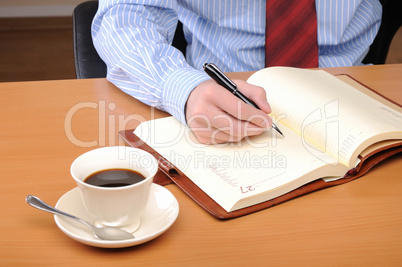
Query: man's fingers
[
  {"x": 242, "y": 111},
  {"x": 222, "y": 128},
  {"x": 256, "y": 94},
  {"x": 216, "y": 116}
]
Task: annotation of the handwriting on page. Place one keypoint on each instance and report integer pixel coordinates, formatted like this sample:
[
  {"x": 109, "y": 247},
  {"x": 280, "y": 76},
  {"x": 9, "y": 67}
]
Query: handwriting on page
[
  {"x": 233, "y": 182},
  {"x": 347, "y": 146},
  {"x": 257, "y": 185},
  {"x": 247, "y": 189},
  {"x": 223, "y": 174}
]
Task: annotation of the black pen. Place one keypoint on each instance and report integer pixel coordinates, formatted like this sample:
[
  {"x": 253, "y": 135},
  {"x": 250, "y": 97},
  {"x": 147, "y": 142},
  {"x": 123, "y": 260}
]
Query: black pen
[{"x": 218, "y": 76}]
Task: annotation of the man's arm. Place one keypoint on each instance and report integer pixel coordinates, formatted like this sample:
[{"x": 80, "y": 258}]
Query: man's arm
[
  {"x": 134, "y": 40},
  {"x": 346, "y": 29}
]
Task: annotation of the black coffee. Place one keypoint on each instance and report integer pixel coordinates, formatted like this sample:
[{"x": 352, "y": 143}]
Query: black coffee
[{"x": 114, "y": 178}]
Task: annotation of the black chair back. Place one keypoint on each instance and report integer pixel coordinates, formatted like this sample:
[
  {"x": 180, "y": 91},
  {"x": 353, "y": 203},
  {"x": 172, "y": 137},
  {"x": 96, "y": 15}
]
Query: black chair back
[
  {"x": 88, "y": 64},
  {"x": 391, "y": 22}
]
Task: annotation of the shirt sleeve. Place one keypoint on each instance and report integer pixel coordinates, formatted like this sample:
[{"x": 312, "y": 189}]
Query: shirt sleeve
[
  {"x": 346, "y": 29},
  {"x": 134, "y": 40}
]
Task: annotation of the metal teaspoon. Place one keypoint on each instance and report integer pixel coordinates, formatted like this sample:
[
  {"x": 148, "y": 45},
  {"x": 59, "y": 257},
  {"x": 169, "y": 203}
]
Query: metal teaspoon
[{"x": 104, "y": 233}]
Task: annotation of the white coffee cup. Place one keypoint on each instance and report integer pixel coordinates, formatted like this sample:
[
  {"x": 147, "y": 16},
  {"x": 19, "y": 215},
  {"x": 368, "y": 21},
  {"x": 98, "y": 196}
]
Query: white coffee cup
[{"x": 115, "y": 206}]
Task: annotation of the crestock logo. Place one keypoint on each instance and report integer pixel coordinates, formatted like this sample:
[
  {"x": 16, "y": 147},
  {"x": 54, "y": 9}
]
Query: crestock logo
[{"x": 322, "y": 120}]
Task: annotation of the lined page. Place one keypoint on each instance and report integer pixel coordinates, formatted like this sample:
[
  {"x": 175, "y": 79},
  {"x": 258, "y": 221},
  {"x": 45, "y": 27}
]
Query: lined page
[
  {"x": 328, "y": 112},
  {"x": 235, "y": 173}
]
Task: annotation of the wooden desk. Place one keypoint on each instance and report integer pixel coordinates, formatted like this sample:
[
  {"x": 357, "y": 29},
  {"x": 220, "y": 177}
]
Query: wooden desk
[{"x": 46, "y": 125}]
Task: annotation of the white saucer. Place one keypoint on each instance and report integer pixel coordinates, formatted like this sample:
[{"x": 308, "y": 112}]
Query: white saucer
[{"x": 160, "y": 213}]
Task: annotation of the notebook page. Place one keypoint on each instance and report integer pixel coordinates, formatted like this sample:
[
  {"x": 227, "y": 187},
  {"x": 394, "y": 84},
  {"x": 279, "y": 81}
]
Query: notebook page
[
  {"x": 327, "y": 112},
  {"x": 235, "y": 172}
]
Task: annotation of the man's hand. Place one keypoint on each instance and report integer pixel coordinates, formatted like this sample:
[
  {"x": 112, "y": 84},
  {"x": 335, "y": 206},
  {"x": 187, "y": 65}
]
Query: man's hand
[{"x": 217, "y": 116}]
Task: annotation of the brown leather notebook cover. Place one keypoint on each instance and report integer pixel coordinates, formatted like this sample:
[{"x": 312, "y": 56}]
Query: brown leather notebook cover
[{"x": 168, "y": 173}]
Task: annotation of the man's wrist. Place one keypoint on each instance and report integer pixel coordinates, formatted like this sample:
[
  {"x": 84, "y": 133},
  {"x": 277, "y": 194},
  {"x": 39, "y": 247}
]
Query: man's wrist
[{"x": 177, "y": 89}]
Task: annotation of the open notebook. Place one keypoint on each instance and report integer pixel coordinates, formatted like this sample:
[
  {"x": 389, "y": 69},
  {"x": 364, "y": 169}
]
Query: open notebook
[{"x": 334, "y": 132}]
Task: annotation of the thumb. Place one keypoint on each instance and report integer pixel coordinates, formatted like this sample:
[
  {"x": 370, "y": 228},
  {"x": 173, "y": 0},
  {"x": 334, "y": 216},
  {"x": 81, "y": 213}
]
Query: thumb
[{"x": 255, "y": 93}]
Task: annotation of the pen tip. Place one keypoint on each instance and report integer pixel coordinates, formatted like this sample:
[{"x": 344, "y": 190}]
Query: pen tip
[{"x": 277, "y": 129}]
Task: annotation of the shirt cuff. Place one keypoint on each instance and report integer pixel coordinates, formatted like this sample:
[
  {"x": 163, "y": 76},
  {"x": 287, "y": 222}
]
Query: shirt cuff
[{"x": 178, "y": 87}]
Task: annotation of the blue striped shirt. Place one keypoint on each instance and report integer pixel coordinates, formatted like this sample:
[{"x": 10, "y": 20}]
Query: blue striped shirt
[{"x": 133, "y": 37}]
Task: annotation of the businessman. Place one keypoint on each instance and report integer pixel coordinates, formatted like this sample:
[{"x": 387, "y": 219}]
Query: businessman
[{"x": 134, "y": 38}]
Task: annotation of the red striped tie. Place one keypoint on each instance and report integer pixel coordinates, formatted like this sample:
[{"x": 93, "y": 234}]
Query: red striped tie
[{"x": 291, "y": 34}]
